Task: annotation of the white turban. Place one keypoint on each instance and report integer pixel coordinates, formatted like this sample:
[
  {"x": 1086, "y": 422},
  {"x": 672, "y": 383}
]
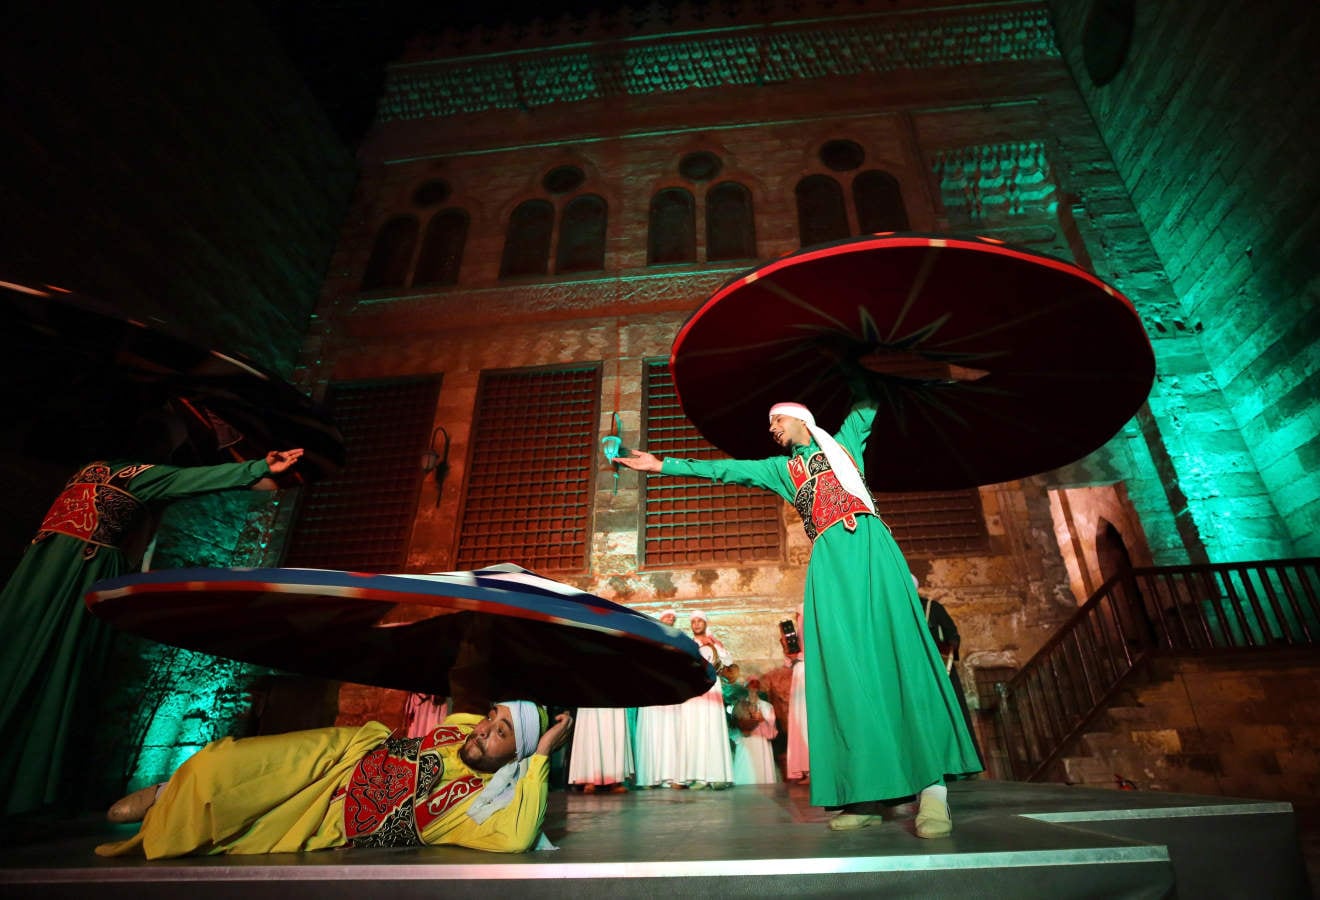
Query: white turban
[
  {"x": 850, "y": 477},
  {"x": 697, "y": 614}
]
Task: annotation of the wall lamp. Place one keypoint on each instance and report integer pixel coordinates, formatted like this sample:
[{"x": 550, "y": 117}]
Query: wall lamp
[{"x": 434, "y": 460}]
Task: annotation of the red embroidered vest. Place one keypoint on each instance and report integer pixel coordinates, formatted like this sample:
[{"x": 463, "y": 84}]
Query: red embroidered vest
[
  {"x": 95, "y": 507},
  {"x": 388, "y": 801},
  {"x": 821, "y": 501}
]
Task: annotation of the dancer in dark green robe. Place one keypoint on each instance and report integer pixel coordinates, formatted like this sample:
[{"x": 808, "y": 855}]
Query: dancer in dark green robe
[
  {"x": 883, "y": 721},
  {"x": 54, "y": 650}
]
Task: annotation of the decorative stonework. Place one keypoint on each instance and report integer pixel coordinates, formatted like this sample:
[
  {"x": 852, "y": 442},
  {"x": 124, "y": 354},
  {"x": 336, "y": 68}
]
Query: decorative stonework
[
  {"x": 552, "y": 299},
  {"x": 446, "y": 87},
  {"x": 995, "y": 182}
]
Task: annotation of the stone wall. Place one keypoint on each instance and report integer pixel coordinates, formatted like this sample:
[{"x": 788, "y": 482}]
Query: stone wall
[
  {"x": 1002, "y": 145},
  {"x": 1245, "y": 725},
  {"x": 1210, "y": 122},
  {"x": 172, "y": 164}
]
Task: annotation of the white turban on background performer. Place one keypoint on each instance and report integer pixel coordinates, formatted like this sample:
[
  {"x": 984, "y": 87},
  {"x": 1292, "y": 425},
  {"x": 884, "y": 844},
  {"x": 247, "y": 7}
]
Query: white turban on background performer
[
  {"x": 850, "y": 477},
  {"x": 529, "y": 720},
  {"x": 668, "y": 612},
  {"x": 697, "y": 614}
]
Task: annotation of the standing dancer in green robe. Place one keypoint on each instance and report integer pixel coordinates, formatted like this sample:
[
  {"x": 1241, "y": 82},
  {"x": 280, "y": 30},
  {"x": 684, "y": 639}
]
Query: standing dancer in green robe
[
  {"x": 54, "y": 650},
  {"x": 883, "y": 721}
]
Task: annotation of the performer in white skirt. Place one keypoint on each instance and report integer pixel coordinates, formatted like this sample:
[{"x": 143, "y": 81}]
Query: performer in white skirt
[
  {"x": 658, "y": 739},
  {"x": 798, "y": 763},
  {"x": 601, "y": 754},
  {"x": 707, "y": 760},
  {"x": 753, "y": 758}
]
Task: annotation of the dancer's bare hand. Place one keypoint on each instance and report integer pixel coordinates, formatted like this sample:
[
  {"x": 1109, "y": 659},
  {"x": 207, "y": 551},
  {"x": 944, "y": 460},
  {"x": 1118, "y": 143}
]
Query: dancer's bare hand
[
  {"x": 639, "y": 461},
  {"x": 282, "y": 460},
  {"x": 555, "y": 735}
]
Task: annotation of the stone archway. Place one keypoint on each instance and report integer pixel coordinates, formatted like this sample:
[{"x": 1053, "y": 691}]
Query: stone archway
[
  {"x": 1099, "y": 533},
  {"x": 1111, "y": 552},
  {"x": 1114, "y": 560}
]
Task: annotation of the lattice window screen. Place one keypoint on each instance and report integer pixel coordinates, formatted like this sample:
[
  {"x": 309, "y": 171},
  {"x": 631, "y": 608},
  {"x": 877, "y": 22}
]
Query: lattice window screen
[
  {"x": 360, "y": 519},
  {"x": 691, "y": 522},
  {"x": 531, "y": 468},
  {"x": 935, "y": 523}
]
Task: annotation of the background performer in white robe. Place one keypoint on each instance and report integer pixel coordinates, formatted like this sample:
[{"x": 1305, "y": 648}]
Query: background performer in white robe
[
  {"x": 602, "y": 754},
  {"x": 797, "y": 764},
  {"x": 659, "y": 744},
  {"x": 753, "y": 758},
  {"x": 707, "y": 760}
]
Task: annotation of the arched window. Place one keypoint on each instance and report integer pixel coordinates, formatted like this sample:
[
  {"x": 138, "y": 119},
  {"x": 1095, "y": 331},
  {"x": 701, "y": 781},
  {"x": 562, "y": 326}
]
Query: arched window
[
  {"x": 527, "y": 245},
  {"x": 442, "y": 248},
  {"x": 730, "y": 230},
  {"x": 673, "y": 237},
  {"x": 822, "y": 215},
  {"x": 582, "y": 235},
  {"x": 392, "y": 254},
  {"x": 1106, "y": 38},
  {"x": 879, "y": 203}
]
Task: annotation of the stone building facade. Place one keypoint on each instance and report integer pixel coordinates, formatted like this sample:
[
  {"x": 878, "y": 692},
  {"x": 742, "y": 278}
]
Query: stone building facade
[
  {"x": 539, "y": 208},
  {"x": 556, "y": 197}
]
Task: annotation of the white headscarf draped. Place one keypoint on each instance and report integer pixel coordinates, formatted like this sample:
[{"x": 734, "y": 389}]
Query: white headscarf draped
[
  {"x": 499, "y": 791},
  {"x": 850, "y": 477}
]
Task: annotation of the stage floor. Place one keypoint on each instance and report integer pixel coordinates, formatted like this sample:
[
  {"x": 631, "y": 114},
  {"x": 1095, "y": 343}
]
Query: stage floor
[{"x": 1010, "y": 839}]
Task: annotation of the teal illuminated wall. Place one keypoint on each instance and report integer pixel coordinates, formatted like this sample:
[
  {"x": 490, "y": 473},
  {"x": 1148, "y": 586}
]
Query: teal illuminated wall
[
  {"x": 1210, "y": 121},
  {"x": 184, "y": 699}
]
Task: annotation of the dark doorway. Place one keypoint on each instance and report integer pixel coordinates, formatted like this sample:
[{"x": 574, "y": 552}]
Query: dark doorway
[{"x": 1130, "y": 606}]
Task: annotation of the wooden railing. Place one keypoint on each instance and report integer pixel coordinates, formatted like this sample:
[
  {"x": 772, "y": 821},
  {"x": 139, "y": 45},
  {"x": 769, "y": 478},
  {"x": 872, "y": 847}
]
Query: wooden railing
[{"x": 1204, "y": 609}]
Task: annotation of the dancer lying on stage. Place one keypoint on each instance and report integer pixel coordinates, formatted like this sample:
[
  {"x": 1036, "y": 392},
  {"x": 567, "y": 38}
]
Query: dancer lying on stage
[
  {"x": 474, "y": 781},
  {"x": 884, "y": 722}
]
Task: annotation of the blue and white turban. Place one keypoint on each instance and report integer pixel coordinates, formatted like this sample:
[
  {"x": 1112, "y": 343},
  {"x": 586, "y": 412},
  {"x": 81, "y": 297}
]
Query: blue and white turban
[{"x": 529, "y": 721}]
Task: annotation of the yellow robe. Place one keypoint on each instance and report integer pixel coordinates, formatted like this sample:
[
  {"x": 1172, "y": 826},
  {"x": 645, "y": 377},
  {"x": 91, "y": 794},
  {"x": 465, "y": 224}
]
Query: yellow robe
[{"x": 284, "y": 793}]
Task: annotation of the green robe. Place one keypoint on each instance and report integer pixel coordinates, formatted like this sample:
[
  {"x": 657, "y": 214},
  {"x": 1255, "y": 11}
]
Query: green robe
[
  {"x": 882, "y": 719},
  {"x": 54, "y": 651}
]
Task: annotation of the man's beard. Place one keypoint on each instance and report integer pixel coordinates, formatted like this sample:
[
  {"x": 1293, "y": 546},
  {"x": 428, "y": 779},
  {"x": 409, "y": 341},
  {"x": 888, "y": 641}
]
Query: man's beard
[{"x": 482, "y": 763}]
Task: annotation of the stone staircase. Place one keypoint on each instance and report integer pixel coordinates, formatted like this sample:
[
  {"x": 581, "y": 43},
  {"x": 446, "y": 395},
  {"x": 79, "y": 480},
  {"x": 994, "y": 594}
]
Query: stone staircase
[
  {"x": 1246, "y": 725},
  {"x": 1188, "y": 678}
]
